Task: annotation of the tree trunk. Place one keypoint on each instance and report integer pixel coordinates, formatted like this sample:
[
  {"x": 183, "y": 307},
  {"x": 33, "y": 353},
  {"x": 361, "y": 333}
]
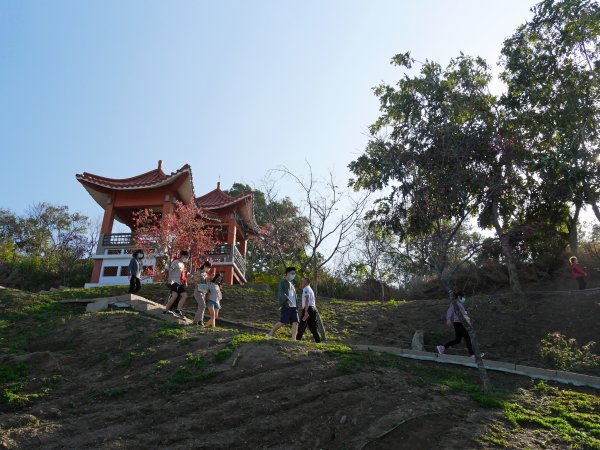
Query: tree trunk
[
  {"x": 513, "y": 275},
  {"x": 573, "y": 236},
  {"x": 483, "y": 375},
  {"x": 382, "y": 291},
  {"x": 315, "y": 278}
]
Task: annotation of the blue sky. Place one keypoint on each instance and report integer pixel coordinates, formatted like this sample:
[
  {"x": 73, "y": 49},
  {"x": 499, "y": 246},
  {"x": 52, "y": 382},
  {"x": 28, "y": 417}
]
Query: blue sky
[{"x": 233, "y": 88}]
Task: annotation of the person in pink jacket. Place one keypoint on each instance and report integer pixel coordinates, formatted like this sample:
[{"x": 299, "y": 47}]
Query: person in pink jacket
[
  {"x": 453, "y": 319},
  {"x": 577, "y": 272}
]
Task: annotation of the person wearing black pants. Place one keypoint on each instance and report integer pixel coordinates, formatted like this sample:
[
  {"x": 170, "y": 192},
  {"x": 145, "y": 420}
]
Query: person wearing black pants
[
  {"x": 453, "y": 318},
  {"x": 135, "y": 272},
  {"x": 460, "y": 332},
  {"x": 309, "y": 312}
]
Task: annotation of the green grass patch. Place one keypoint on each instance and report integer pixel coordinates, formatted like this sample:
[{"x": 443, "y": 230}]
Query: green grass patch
[
  {"x": 573, "y": 417},
  {"x": 128, "y": 359},
  {"x": 223, "y": 354},
  {"x": 238, "y": 339},
  {"x": 198, "y": 362},
  {"x": 184, "y": 375},
  {"x": 160, "y": 365},
  {"x": 10, "y": 373}
]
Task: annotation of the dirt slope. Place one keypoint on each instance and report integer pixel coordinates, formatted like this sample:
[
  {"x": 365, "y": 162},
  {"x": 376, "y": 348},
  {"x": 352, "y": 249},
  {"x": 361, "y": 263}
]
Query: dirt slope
[{"x": 121, "y": 380}]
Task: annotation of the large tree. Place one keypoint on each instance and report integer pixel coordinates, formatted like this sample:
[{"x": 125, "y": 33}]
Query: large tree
[
  {"x": 442, "y": 135},
  {"x": 552, "y": 67},
  {"x": 431, "y": 150}
]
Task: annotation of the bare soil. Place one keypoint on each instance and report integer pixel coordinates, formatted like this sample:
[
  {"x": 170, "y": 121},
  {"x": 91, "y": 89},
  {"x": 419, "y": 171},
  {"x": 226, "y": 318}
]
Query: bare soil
[{"x": 125, "y": 380}]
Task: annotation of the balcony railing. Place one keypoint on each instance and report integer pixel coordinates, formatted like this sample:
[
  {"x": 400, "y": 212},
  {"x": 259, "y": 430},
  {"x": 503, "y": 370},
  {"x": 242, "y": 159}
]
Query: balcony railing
[
  {"x": 222, "y": 254},
  {"x": 228, "y": 254},
  {"x": 117, "y": 240}
]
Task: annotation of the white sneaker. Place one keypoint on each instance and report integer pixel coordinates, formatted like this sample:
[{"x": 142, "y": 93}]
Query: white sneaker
[{"x": 481, "y": 355}]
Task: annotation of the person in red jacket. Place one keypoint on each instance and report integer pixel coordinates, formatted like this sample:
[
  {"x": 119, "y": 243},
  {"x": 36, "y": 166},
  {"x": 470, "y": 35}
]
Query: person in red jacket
[{"x": 577, "y": 272}]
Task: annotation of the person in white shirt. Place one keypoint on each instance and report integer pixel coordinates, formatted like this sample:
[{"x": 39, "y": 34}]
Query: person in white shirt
[
  {"x": 309, "y": 312},
  {"x": 177, "y": 283}
]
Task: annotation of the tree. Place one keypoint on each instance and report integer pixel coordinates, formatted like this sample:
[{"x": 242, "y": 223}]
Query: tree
[
  {"x": 552, "y": 67},
  {"x": 283, "y": 231},
  {"x": 332, "y": 214},
  {"x": 430, "y": 148},
  {"x": 165, "y": 235},
  {"x": 373, "y": 251},
  {"x": 50, "y": 240}
]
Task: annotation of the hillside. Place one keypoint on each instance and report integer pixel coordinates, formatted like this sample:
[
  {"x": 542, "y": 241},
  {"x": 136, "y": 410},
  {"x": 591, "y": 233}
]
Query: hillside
[{"x": 126, "y": 380}]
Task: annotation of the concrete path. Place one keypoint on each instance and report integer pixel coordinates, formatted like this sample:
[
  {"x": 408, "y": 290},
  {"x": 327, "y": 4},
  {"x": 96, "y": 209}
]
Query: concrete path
[{"x": 575, "y": 379}]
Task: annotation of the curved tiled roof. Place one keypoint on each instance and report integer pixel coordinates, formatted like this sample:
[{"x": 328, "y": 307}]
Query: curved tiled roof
[
  {"x": 211, "y": 204},
  {"x": 153, "y": 178},
  {"x": 217, "y": 199}
]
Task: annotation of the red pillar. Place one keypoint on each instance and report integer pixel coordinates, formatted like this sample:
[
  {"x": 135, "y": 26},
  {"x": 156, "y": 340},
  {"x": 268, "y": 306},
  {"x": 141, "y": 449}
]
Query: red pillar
[
  {"x": 168, "y": 206},
  {"x": 243, "y": 247},
  {"x": 228, "y": 274},
  {"x": 231, "y": 231}
]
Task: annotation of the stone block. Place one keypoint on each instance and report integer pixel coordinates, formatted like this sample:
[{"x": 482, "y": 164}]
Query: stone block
[
  {"x": 97, "y": 306},
  {"x": 418, "y": 341}
]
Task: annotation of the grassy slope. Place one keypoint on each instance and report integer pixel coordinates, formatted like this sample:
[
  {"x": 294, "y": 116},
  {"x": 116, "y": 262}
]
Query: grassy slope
[{"x": 58, "y": 363}]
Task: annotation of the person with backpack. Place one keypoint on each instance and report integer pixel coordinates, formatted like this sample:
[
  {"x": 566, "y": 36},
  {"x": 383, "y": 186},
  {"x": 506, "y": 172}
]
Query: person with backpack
[
  {"x": 213, "y": 299},
  {"x": 135, "y": 271},
  {"x": 453, "y": 319},
  {"x": 177, "y": 284},
  {"x": 309, "y": 312},
  {"x": 577, "y": 272},
  {"x": 286, "y": 296}
]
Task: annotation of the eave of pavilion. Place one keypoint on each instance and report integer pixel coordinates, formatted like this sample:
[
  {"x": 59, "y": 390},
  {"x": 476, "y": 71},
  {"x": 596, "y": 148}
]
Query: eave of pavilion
[{"x": 154, "y": 185}]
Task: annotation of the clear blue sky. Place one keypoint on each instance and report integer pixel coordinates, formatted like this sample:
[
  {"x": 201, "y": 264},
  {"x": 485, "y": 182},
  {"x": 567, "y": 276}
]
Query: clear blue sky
[{"x": 233, "y": 88}]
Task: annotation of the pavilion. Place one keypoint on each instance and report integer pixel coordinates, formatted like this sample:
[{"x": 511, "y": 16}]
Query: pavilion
[{"x": 231, "y": 217}]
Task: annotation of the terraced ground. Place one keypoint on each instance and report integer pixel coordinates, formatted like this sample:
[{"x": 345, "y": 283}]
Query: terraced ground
[{"x": 126, "y": 380}]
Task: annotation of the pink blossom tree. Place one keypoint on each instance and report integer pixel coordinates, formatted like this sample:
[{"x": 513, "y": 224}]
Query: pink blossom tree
[{"x": 166, "y": 235}]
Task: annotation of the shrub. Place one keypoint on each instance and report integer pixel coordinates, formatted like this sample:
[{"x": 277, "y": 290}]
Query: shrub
[{"x": 565, "y": 354}]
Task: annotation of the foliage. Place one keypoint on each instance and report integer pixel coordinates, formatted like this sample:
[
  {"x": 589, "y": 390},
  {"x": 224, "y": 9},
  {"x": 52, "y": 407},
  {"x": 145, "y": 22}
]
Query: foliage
[
  {"x": 565, "y": 353},
  {"x": 167, "y": 235},
  {"x": 552, "y": 69},
  {"x": 283, "y": 233},
  {"x": 48, "y": 246},
  {"x": 572, "y": 416}
]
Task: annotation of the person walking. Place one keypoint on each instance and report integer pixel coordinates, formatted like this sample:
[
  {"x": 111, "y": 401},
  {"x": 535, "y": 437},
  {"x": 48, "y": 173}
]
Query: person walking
[
  {"x": 214, "y": 297},
  {"x": 286, "y": 295},
  {"x": 577, "y": 272},
  {"x": 309, "y": 312},
  {"x": 135, "y": 271},
  {"x": 177, "y": 283},
  {"x": 202, "y": 284},
  {"x": 453, "y": 319}
]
